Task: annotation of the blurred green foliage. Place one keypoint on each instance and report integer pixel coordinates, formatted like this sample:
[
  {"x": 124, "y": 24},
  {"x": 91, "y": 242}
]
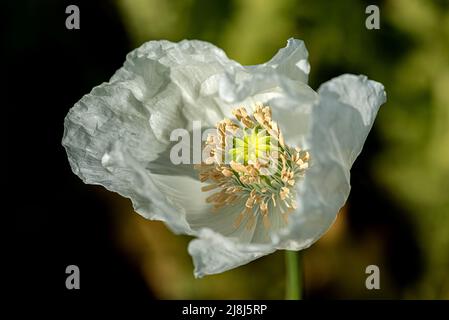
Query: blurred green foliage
[{"x": 409, "y": 55}]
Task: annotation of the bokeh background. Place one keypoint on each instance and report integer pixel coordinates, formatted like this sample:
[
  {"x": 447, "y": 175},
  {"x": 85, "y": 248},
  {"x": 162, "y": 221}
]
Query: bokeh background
[{"x": 397, "y": 216}]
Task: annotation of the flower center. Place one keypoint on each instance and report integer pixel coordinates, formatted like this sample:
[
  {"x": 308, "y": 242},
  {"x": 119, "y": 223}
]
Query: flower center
[
  {"x": 248, "y": 161},
  {"x": 251, "y": 146}
]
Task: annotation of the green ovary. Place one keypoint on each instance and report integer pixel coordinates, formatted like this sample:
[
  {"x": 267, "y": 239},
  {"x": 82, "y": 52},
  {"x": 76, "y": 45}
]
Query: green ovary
[{"x": 254, "y": 144}]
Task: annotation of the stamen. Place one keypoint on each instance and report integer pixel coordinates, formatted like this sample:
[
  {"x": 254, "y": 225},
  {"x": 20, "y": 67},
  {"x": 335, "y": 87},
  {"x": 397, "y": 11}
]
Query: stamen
[{"x": 262, "y": 169}]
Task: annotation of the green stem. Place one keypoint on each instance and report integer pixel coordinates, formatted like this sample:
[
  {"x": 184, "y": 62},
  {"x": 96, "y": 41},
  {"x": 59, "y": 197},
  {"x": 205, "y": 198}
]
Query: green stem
[{"x": 294, "y": 279}]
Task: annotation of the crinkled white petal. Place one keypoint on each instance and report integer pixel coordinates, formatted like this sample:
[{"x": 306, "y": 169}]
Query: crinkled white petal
[
  {"x": 213, "y": 253},
  {"x": 341, "y": 121},
  {"x": 290, "y": 62},
  {"x": 118, "y": 136}
]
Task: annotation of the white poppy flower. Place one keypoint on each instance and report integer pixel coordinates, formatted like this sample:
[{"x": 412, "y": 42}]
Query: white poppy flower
[{"x": 120, "y": 136}]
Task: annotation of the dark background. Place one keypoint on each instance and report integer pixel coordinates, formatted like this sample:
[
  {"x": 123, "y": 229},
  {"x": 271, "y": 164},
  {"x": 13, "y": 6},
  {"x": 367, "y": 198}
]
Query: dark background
[{"x": 58, "y": 221}]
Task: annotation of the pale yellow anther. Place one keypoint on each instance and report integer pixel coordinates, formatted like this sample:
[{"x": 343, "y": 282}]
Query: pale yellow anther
[
  {"x": 284, "y": 193},
  {"x": 238, "y": 167},
  {"x": 209, "y": 187},
  {"x": 250, "y": 202},
  {"x": 264, "y": 207},
  {"x": 257, "y": 179},
  {"x": 227, "y": 172},
  {"x": 273, "y": 199}
]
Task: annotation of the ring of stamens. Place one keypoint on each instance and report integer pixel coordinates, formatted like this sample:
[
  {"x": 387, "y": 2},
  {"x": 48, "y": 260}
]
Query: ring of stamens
[{"x": 248, "y": 160}]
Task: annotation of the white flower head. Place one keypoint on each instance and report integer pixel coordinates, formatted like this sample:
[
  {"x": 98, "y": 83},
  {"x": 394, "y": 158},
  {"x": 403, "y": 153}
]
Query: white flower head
[{"x": 122, "y": 136}]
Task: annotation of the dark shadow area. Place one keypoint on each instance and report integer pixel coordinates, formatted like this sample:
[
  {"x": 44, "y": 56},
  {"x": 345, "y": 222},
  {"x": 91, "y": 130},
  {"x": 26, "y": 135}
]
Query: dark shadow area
[
  {"x": 372, "y": 211},
  {"x": 57, "y": 220}
]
